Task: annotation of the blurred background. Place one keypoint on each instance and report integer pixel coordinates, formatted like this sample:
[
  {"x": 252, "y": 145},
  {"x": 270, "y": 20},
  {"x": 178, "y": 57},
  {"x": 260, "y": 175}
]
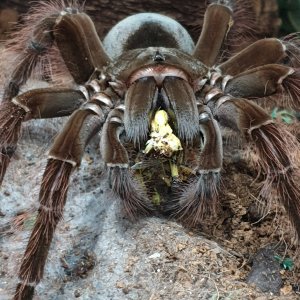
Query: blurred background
[{"x": 270, "y": 15}]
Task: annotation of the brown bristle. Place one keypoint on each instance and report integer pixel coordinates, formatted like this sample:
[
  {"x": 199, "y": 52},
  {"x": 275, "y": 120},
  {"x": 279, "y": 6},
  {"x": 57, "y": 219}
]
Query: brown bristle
[
  {"x": 197, "y": 202},
  {"x": 292, "y": 43},
  {"x": 52, "y": 199},
  {"x": 134, "y": 198},
  {"x": 4, "y": 162},
  {"x": 242, "y": 32},
  {"x": 277, "y": 153},
  {"x": 55, "y": 185},
  {"x": 24, "y": 291},
  {"x": 33, "y": 64},
  {"x": 291, "y": 85},
  {"x": 11, "y": 117}
]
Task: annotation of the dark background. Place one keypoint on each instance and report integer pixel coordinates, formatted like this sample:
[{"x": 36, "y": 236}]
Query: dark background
[{"x": 189, "y": 13}]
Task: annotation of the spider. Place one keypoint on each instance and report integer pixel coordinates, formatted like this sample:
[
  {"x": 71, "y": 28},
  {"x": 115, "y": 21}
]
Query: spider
[{"x": 154, "y": 96}]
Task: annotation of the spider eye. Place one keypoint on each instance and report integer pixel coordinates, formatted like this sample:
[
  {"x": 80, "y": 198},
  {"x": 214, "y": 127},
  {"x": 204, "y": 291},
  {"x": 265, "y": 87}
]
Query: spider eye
[{"x": 158, "y": 57}]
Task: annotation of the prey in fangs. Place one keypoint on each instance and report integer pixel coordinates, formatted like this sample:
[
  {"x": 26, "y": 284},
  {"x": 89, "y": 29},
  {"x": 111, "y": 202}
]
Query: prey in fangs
[{"x": 160, "y": 103}]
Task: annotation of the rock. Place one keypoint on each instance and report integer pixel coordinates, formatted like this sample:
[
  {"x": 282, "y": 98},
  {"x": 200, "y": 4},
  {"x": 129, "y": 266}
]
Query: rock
[{"x": 265, "y": 272}]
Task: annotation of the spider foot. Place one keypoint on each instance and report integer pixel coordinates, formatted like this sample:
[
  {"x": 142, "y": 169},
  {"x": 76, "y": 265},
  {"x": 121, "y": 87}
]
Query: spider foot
[
  {"x": 24, "y": 292},
  {"x": 197, "y": 202},
  {"x": 134, "y": 197}
]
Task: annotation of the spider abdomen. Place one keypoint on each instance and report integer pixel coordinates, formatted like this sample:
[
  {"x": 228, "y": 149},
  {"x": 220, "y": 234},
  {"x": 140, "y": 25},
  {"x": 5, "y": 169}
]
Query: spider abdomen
[{"x": 147, "y": 30}]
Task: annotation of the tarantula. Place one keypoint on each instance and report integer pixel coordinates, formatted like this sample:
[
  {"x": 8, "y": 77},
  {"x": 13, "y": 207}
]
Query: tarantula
[{"x": 153, "y": 95}]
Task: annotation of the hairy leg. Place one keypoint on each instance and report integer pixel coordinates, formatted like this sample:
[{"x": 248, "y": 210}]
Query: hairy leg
[
  {"x": 197, "y": 201},
  {"x": 276, "y": 149},
  {"x": 273, "y": 82},
  {"x": 217, "y": 23},
  {"x": 52, "y": 25},
  {"x": 124, "y": 185},
  {"x": 64, "y": 156},
  {"x": 35, "y": 104},
  {"x": 75, "y": 36}
]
